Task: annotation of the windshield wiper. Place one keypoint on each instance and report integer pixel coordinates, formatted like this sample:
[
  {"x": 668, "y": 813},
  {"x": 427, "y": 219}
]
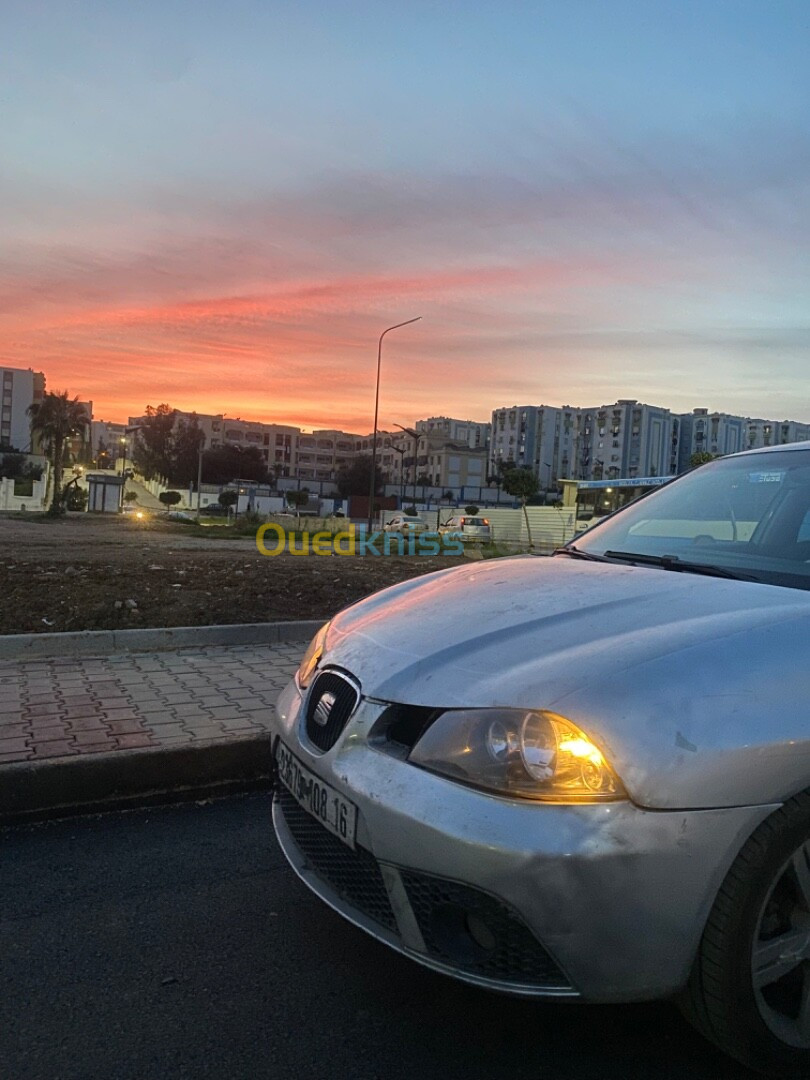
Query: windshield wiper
[
  {"x": 672, "y": 562},
  {"x": 577, "y": 553}
]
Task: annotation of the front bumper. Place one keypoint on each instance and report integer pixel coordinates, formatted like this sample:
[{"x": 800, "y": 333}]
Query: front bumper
[{"x": 604, "y": 902}]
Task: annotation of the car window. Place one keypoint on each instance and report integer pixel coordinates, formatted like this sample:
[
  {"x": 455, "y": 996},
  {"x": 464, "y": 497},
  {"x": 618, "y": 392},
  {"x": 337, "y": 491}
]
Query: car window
[{"x": 749, "y": 513}]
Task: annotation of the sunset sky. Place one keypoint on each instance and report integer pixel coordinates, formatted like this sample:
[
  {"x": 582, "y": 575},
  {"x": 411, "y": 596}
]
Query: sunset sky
[{"x": 221, "y": 205}]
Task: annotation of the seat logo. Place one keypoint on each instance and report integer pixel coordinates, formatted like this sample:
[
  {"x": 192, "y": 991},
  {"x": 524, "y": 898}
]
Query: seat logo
[{"x": 324, "y": 708}]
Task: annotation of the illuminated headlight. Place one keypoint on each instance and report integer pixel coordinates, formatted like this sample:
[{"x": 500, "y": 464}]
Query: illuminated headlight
[
  {"x": 532, "y": 754},
  {"x": 312, "y": 657}
]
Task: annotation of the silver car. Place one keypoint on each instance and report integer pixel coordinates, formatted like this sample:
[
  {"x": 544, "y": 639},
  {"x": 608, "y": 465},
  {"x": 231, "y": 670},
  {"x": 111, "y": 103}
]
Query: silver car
[
  {"x": 468, "y": 528},
  {"x": 598, "y": 788}
]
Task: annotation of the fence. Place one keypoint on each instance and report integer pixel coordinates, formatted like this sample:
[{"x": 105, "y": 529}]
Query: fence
[{"x": 551, "y": 526}]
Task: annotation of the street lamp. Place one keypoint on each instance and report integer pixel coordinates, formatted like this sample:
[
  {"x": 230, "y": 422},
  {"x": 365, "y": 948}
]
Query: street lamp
[
  {"x": 415, "y": 436},
  {"x": 371, "y": 484}
]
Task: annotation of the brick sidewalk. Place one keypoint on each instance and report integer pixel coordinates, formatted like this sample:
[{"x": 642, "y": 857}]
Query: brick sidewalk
[{"x": 61, "y": 707}]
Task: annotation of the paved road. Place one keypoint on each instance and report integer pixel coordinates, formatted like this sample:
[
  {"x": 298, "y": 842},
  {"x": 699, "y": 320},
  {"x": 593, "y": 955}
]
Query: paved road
[{"x": 175, "y": 942}]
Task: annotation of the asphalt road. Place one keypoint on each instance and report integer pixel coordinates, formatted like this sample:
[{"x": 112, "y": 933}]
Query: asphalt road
[{"x": 175, "y": 942}]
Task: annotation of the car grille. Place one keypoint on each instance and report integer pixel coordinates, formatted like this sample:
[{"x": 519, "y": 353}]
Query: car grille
[
  {"x": 452, "y": 916},
  {"x": 354, "y": 875},
  {"x": 332, "y": 700},
  {"x": 462, "y": 927}
]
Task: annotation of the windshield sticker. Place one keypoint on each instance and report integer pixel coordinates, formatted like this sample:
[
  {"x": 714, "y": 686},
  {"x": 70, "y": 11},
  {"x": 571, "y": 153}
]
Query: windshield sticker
[{"x": 766, "y": 477}]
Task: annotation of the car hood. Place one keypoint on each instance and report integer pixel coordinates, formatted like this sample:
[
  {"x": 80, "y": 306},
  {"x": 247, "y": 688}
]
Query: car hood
[{"x": 664, "y": 669}]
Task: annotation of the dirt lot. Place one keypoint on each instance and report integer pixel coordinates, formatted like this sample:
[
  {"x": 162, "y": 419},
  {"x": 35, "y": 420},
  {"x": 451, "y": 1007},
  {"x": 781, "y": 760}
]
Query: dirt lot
[{"x": 85, "y": 573}]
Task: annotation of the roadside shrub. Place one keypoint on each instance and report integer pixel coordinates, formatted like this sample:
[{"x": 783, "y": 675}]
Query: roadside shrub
[
  {"x": 472, "y": 510},
  {"x": 76, "y": 498},
  {"x": 170, "y": 498}
]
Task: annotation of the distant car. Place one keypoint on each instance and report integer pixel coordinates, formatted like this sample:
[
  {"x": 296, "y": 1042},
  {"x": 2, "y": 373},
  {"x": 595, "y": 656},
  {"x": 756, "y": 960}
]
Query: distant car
[
  {"x": 404, "y": 523},
  {"x": 138, "y": 512},
  {"x": 180, "y": 515},
  {"x": 584, "y": 776},
  {"x": 466, "y": 527}
]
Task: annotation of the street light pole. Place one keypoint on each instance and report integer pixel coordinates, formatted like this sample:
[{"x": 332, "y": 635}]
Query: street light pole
[
  {"x": 199, "y": 473},
  {"x": 371, "y": 483}
]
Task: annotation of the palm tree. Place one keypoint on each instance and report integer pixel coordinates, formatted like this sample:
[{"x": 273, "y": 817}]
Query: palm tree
[{"x": 55, "y": 419}]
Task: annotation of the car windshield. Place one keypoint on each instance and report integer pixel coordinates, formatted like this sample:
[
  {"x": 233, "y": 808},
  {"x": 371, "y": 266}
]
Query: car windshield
[{"x": 746, "y": 516}]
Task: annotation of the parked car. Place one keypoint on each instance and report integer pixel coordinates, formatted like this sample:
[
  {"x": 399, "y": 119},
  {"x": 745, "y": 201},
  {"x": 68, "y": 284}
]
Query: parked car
[
  {"x": 598, "y": 788},
  {"x": 138, "y": 512},
  {"x": 404, "y": 523},
  {"x": 466, "y": 527}
]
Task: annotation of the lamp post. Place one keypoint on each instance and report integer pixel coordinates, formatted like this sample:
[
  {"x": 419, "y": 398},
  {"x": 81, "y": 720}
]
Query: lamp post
[
  {"x": 371, "y": 485},
  {"x": 415, "y": 436}
]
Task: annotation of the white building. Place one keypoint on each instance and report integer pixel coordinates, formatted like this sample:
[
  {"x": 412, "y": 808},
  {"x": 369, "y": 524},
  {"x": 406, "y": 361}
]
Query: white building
[
  {"x": 702, "y": 432},
  {"x": 19, "y": 389},
  {"x": 759, "y": 433}
]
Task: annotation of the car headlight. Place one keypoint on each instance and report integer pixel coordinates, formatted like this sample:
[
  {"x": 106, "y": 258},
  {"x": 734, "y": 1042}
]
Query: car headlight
[
  {"x": 532, "y": 754},
  {"x": 312, "y": 657}
]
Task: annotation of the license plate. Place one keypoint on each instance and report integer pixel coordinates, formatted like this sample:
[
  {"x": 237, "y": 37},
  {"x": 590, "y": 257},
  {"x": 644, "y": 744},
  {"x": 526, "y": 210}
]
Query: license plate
[{"x": 318, "y": 798}]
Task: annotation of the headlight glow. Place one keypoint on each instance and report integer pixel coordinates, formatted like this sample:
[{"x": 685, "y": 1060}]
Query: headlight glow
[
  {"x": 311, "y": 659},
  {"x": 529, "y": 753}
]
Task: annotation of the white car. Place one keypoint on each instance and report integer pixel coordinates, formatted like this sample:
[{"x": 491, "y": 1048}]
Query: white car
[
  {"x": 405, "y": 524},
  {"x": 468, "y": 527}
]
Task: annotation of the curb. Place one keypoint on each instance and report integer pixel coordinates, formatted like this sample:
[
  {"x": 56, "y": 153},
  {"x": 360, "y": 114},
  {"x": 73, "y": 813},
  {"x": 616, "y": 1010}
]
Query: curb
[
  {"x": 61, "y": 787},
  {"x": 106, "y": 642}
]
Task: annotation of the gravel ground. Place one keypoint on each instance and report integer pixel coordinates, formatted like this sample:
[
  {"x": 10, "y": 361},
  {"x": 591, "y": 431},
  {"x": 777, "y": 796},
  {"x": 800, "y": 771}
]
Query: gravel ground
[{"x": 94, "y": 573}]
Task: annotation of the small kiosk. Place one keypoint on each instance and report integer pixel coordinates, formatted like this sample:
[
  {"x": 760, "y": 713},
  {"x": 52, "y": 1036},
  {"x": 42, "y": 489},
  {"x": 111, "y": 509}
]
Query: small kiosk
[{"x": 105, "y": 492}]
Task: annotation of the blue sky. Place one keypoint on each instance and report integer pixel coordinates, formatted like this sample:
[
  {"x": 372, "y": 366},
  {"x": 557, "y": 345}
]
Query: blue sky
[{"x": 222, "y": 207}]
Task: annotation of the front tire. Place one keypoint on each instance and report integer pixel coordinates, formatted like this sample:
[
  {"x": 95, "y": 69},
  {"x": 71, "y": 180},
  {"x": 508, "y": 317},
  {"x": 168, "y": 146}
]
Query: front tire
[{"x": 749, "y": 991}]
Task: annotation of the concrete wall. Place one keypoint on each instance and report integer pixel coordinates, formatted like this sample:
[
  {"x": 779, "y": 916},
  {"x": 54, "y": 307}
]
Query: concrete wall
[{"x": 35, "y": 502}]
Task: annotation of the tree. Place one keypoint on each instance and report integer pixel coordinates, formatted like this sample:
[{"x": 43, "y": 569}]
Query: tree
[
  {"x": 131, "y": 496},
  {"x": 170, "y": 498},
  {"x": 75, "y": 498},
  {"x": 298, "y": 498},
  {"x": 103, "y": 455},
  {"x": 355, "y": 478},
  {"x": 228, "y": 498},
  {"x": 154, "y": 442},
  {"x": 471, "y": 510},
  {"x": 224, "y": 464},
  {"x": 15, "y": 466},
  {"x": 522, "y": 484},
  {"x": 187, "y": 439},
  {"x": 701, "y": 457},
  {"x": 55, "y": 419}
]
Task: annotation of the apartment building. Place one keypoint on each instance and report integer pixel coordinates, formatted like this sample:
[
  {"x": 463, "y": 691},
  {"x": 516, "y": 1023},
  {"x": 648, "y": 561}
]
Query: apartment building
[
  {"x": 710, "y": 433},
  {"x": 108, "y": 441},
  {"x": 19, "y": 389},
  {"x": 759, "y": 433},
  {"x": 624, "y": 439},
  {"x": 472, "y": 433},
  {"x": 537, "y": 437}
]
